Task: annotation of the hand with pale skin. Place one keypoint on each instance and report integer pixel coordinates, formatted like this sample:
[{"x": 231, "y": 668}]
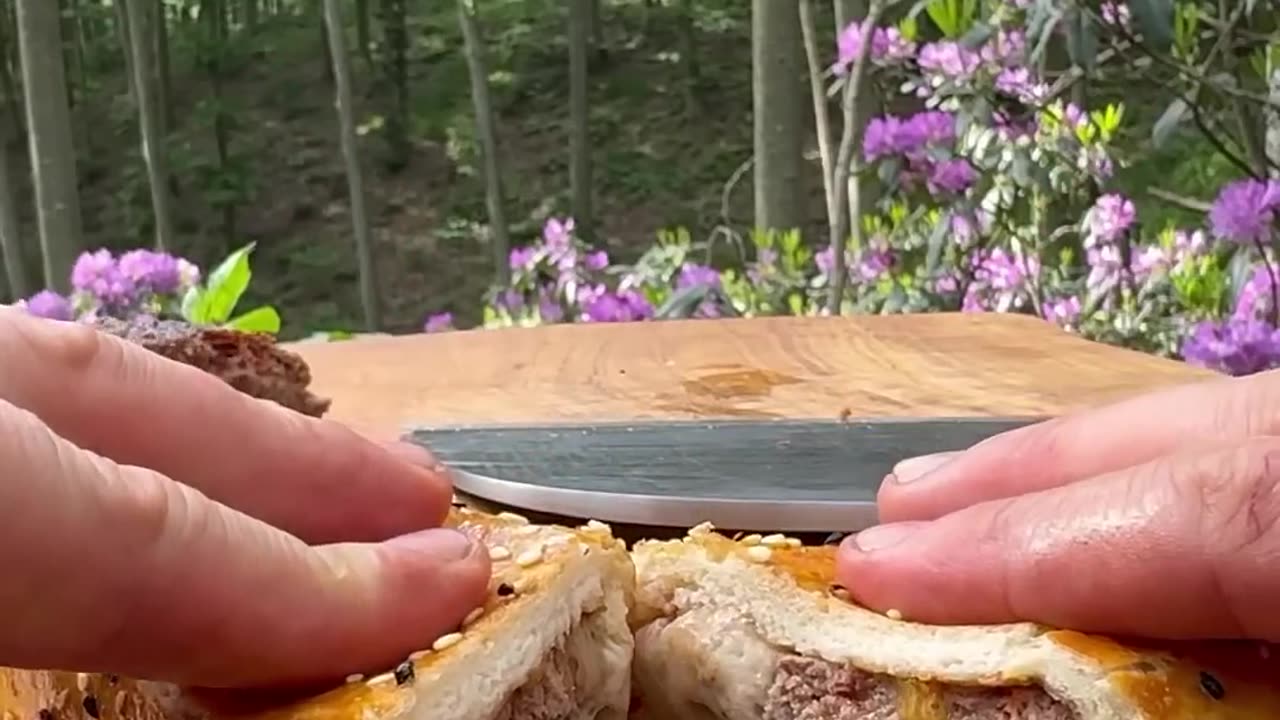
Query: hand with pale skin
[
  {"x": 158, "y": 524},
  {"x": 1156, "y": 517}
]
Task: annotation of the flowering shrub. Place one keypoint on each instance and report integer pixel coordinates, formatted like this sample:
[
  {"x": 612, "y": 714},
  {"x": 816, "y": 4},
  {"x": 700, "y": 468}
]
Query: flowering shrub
[
  {"x": 994, "y": 197},
  {"x": 155, "y": 284}
]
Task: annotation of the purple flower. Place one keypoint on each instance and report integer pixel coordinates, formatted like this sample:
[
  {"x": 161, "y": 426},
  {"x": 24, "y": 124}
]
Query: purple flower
[
  {"x": 151, "y": 271},
  {"x": 1110, "y": 218},
  {"x": 951, "y": 176},
  {"x": 873, "y": 263},
  {"x": 1007, "y": 48},
  {"x": 694, "y": 275},
  {"x": 1245, "y": 210},
  {"x": 597, "y": 260},
  {"x": 890, "y": 135},
  {"x": 1115, "y": 13},
  {"x": 439, "y": 322},
  {"x": 949, "y": 59},
  {"x": 522, "y": 258},
  {"x": 1253, "y": 302},
  {"x": 98, "y": 274},
  {"x": 1000, "y": 280},
  {"x": 49, "y": 304},
  {"x": 1236, "y": 346},
  {"x": 1019, "y": 82},
  {"x": 558, "y": 234},
  {"x": 1063, "y": 311},
  {"x": 887, "y": 46},
  {"x": 622, "y": 306}
]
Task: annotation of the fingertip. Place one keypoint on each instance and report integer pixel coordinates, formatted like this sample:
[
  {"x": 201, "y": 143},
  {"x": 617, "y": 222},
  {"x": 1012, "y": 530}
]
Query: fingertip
[{"x": 450, "y": 567}]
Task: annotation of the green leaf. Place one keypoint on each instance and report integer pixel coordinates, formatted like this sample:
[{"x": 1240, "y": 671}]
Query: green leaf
[
  {"x": 260, "y": 319},
  {"x": 193, "y": 310},
  {"x": 226, "y": 284},
  {"x": 1154, "y": 19},
  {"x": 1169, "y": 121},
  {"x": 1082, "y": 41}
]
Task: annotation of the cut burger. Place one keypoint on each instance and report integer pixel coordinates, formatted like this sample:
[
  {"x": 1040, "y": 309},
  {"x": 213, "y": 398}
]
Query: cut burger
[
  {"x": 550, "y": 643},
  {"x": 754, "y": 629}
]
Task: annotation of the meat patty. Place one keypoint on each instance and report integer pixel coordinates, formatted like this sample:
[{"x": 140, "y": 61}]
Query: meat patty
[
  {"x": 812, "y": 689},
  {"x": 551, "y": 693},
  {"x": 249, "y": 362}
]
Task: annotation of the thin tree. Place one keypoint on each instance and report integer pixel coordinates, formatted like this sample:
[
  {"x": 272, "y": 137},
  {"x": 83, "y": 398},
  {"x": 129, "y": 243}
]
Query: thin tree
[
  {"x": 495, "y": 201},
  {"x": 50, "y": 141},
  {"x": 164, "y": 81},
  {"x": 579, "y": 136},
  {"x": 777, "y": 64},
  {"x": 818, "y": 89},
  {"x": 125, "y": 37},
  {"x": 154, "y": 151},
  {"x": 351, "y": 157},
  {"x": 15, "y": 262}
]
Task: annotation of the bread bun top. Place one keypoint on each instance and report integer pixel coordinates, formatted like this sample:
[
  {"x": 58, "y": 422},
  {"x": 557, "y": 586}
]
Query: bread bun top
[
  {"x": 529, "y": 561},
  {"x": 787, "y": 589}
]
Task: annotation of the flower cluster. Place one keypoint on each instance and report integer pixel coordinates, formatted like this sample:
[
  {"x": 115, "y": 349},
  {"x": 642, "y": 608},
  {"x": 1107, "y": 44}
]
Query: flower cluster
[{"x": 136, "y": 282}]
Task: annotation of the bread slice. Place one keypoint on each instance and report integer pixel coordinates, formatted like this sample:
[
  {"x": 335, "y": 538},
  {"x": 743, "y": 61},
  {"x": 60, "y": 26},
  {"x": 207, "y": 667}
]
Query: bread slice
[
  {"x": 552, "y": 641},
  {"x": 754, "y": 629}
]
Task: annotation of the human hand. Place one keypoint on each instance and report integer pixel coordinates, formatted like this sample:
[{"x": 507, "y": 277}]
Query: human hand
[
  {"x": 1158, "y": 517},
  {"x": 159, "y": 524}
]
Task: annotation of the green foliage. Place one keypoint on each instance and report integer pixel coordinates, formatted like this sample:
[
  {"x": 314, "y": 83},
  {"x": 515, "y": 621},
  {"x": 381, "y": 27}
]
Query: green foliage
[{"x": 213, "y": 302}]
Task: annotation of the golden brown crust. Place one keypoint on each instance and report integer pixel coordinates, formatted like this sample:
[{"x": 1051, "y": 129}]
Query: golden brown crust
[
  {"x": 516, "y": 580},
  {"x": 1167, "y": 680}
]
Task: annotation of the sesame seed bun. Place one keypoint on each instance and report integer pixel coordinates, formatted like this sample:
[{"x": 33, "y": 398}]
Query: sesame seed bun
[
  {"x": 555, "y": 590},
  {"x": 714, "y": 615}
]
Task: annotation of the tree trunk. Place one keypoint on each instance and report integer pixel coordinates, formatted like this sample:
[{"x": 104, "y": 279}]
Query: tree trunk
[
  {"x": 579, "y": 136},
  {"x": 362, "y": 30},
  {"x": 351, "y": 157},
  {"x": 821, "y": 116},
  {"x": 52, "y": 147},
  {"x": 126, "y": 44},
  {"x": 164, "y": 80},
  {"x": 689, "y": 56},
  {"x": 778, "y": 111},
  {"x": 8, "y": 70},
  {"x": 866, "y": 105},
  {"x": 1273, "y": 122},
  {"x": 251, "y": 15},
  {"x": 324, "y": 43},
  {"x": 76, "y": 81},
  {"x": 395, "y": 48},
  {"x": 15, "y": 261},
  {"x": 488, "y": 139},
  {"x": 154, "y": 150}
]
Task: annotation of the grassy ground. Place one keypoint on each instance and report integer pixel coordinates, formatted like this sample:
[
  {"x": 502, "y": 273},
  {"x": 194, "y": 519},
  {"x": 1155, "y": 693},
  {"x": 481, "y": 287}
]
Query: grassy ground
[{"x": 659, "y": 162}]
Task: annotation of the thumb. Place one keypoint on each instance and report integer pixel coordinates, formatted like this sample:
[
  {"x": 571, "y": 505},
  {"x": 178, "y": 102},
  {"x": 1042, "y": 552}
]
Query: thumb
[
  {"x": 1181, "y": 547},
  {"x": 139, "y": 575},
  {"x": 1082, "y": 445}
]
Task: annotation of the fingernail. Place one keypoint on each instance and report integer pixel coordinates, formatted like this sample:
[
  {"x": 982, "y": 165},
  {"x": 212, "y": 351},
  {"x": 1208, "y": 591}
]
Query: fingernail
[
  {"x": 881, "y": 537},
  {"x": 915, "y": 468},
  {"x": 442, "y": 543},
  {"x": 416, "y": 454}
]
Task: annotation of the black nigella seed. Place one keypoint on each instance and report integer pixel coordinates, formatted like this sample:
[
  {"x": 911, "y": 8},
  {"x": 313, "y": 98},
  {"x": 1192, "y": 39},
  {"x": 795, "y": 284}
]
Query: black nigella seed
[
  {"x": 404, "y": 672},
  {"x": 505, "y": 590},
  {"x": 46, "y": 714},
  {"x": 91, "y": 706},
  {"x": 1212, "y": 686},
  {"x": 834, "y": 538},
  {"x": 113, "y": 679}
]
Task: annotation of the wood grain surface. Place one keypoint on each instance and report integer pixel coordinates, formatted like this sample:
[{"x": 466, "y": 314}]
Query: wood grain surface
[{"x": 926, "y": 365}]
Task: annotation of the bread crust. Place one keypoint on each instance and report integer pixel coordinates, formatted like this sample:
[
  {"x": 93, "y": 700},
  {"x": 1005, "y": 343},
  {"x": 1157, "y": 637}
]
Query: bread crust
[
  {"x": 517, "y": 583},
  {"x": 1160, "y": 681}
]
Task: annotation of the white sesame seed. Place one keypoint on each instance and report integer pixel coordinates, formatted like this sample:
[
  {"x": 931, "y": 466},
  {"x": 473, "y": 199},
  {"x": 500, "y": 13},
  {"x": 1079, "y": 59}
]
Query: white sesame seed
[
  {"x": 794, "y": 542},
  {"x": 418, "y": 655},
  {"x": 473, "y": 616},
  {"x": 82, "y": 682},
  {"x": 529, "y": 557},
  {"x": 759, "y": 553},
  {"x": 446, "y": 641},
  {"x": 842, "y": 594},
  {"x": 499, "y": 553},
  {"x": 774, "y": 540},
  {"x": 752, "y": 539},
  {"x": 522, "y": 585},
  {"x": 355, "y": 678},
  {"x": 379, "y": 679},
  {"x": 894, "y": 614},
  {"x": 513, "y": 517},
  {"x": 598, "y": 526}
]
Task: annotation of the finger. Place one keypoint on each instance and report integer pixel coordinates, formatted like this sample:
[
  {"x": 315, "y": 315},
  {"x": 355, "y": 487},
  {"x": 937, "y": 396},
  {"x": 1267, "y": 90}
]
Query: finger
[
  {"x": 133, "y": 573},
  {"x": 313, "y": 478},
  {"x": 1180, "y": 547},
  {"x": 1082, "y": 445}
]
